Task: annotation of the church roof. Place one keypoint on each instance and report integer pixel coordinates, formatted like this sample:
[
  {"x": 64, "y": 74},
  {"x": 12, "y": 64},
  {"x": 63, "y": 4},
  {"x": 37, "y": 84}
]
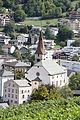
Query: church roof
[
  {"x": 40, "y": 48},
  {"x": 51, "y": 67}
]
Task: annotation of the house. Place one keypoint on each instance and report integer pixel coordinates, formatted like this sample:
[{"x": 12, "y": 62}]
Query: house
[
  {"x": 75, "y": 14},
  {"x": 46, "y": 71},
  {"x": 72, "y": 66},
  {"x": 8, "y": 49},
  {"x": 22, "y": 38},
  {"x": 4, "y": 59},
  {"x": 16, "y": 66},
  {"x": 34, "y": 39},
  {"x": 60, "y": 55},
  {"x": 64, "y": 22},
  {"x": 17, "y": 91},
  {"x": 13, "y": 42},
  {"x": 75, "y": 24},
  {"x": 49, "y": 44},
  {"x": 76, "y": 92},
  {"x": 54, "y": 30},
  {"x": 4, "y": 39},
  {"x": 4, "y": 19},
  {"x": 4, "y": 76}
]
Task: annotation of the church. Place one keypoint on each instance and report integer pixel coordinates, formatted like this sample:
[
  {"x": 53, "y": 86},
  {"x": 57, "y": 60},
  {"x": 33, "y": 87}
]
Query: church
[{"x": 45, "y": 71}]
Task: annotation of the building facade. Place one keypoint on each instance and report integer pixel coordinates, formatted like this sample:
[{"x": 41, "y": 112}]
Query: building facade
[{"x": 17, "y": 92}]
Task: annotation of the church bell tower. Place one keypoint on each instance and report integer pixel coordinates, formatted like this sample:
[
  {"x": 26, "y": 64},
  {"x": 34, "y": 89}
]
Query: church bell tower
[{"x": 40, "y": 52}]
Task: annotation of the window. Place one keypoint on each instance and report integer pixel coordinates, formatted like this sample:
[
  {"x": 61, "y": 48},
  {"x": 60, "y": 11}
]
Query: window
[
  {"x": 57, "y": 76},
  {"x": 8, "y": 95},
  {"x": 12, "y": 96},
  {"x": 64, "y": 80},
  {"x": 5, "y": 90},
  {"x": 38, "y": 60},
  {"x": 11, "y": 101},
  {"x": 13, "y": 85},
  {"x": 16, "y": 96},
  {"x": 8, "y": 89},
  {"x": 35, "y": 83},
  {"x": 37, "y": 74},
  {"x": 56, "y": 83},
  {"x": 52, "y": 77},
  {"x": 5, "y": 96},
  {"x": 28, "y": 90},
  {"x": 16, "y": 102},
  {"x": 9, "y": 84},
  {"x": 22, "y": 91},
  {"x": 60, "y": 82},
  {"x": 28, "y": 95},
  {"x": 12, "y": 90},
  {"x": 23, "y": 96},
  {"x": 16, "y": 91}
]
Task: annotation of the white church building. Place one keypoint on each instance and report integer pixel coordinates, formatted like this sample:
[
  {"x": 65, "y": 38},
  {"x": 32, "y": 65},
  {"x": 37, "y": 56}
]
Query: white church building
[{"x": 46, "y": 71}]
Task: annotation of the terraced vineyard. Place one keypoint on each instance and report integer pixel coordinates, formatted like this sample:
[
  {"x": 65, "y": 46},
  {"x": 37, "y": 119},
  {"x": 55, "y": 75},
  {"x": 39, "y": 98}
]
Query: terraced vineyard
[{"x": 60, "y": 109}]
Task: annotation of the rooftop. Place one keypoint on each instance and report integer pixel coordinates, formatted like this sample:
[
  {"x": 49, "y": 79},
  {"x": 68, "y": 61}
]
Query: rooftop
[
  {"x": 21, "y": 83},
  {"x": 51, "y": 67},
  {"x": 5, "y": 73}
]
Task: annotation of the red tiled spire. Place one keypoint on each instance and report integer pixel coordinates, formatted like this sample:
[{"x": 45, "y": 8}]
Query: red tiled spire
[{"x": 40, "y": 48}]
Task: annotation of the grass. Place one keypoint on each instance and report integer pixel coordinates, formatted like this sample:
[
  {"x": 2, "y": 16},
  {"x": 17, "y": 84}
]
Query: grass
[
  {"x": 1, "y": 29},
  {"x": 57, "y": 46},
  {"x": 53, "y": 22}
]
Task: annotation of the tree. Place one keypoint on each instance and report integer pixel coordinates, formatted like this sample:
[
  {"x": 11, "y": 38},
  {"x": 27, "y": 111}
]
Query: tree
[
  {"x": 48, "y": 34},
  {"x": 54, "y": 93},
  {"x": 74, "y": 82},
  {"x": 19, "y": 74},
  {"x": 1, "y": 51},
  {"x": 17, "y": 55},
  {"x": 40, "y": 94},
  {"x": 64, "y": 33},
  {"x": 1, "y": 3},
  {"x": 19, "y": 15},
  {"x": 28, "y": 57},
  {"x": 9, "y": 29},
  {"x": 65, "y": 91},
  {"x": 75, "y": 58},
  {"x": 76, "y": 43},
  {"x": 62, "y": 44}
]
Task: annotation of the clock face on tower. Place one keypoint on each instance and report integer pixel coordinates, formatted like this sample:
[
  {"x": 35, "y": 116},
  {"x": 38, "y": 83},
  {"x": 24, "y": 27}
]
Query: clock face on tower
[{"x": 37, "y": 74}]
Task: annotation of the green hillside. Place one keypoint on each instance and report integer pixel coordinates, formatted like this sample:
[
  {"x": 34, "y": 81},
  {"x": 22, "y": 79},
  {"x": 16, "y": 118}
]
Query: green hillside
[{"x": 60, "y": 109}]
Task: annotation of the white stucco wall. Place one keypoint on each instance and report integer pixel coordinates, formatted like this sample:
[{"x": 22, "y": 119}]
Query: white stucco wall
[
  {"x": 2, "y": 81},
  {"x": 43, "y": 74},
  {"x": 26, "y": 92},
  {"x": 46, "y": 78}
]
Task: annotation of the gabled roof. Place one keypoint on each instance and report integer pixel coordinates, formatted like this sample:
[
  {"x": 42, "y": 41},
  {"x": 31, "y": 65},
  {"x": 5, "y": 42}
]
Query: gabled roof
[
  {"x": 17, "y": 64},
  {"x": 37, "y": 79},
  {"x": 5, "y": 73},
  {"x": 20, "y": 83},
  {"x": 40, "y": 48},
  {"x": 51, "y": 67}
]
